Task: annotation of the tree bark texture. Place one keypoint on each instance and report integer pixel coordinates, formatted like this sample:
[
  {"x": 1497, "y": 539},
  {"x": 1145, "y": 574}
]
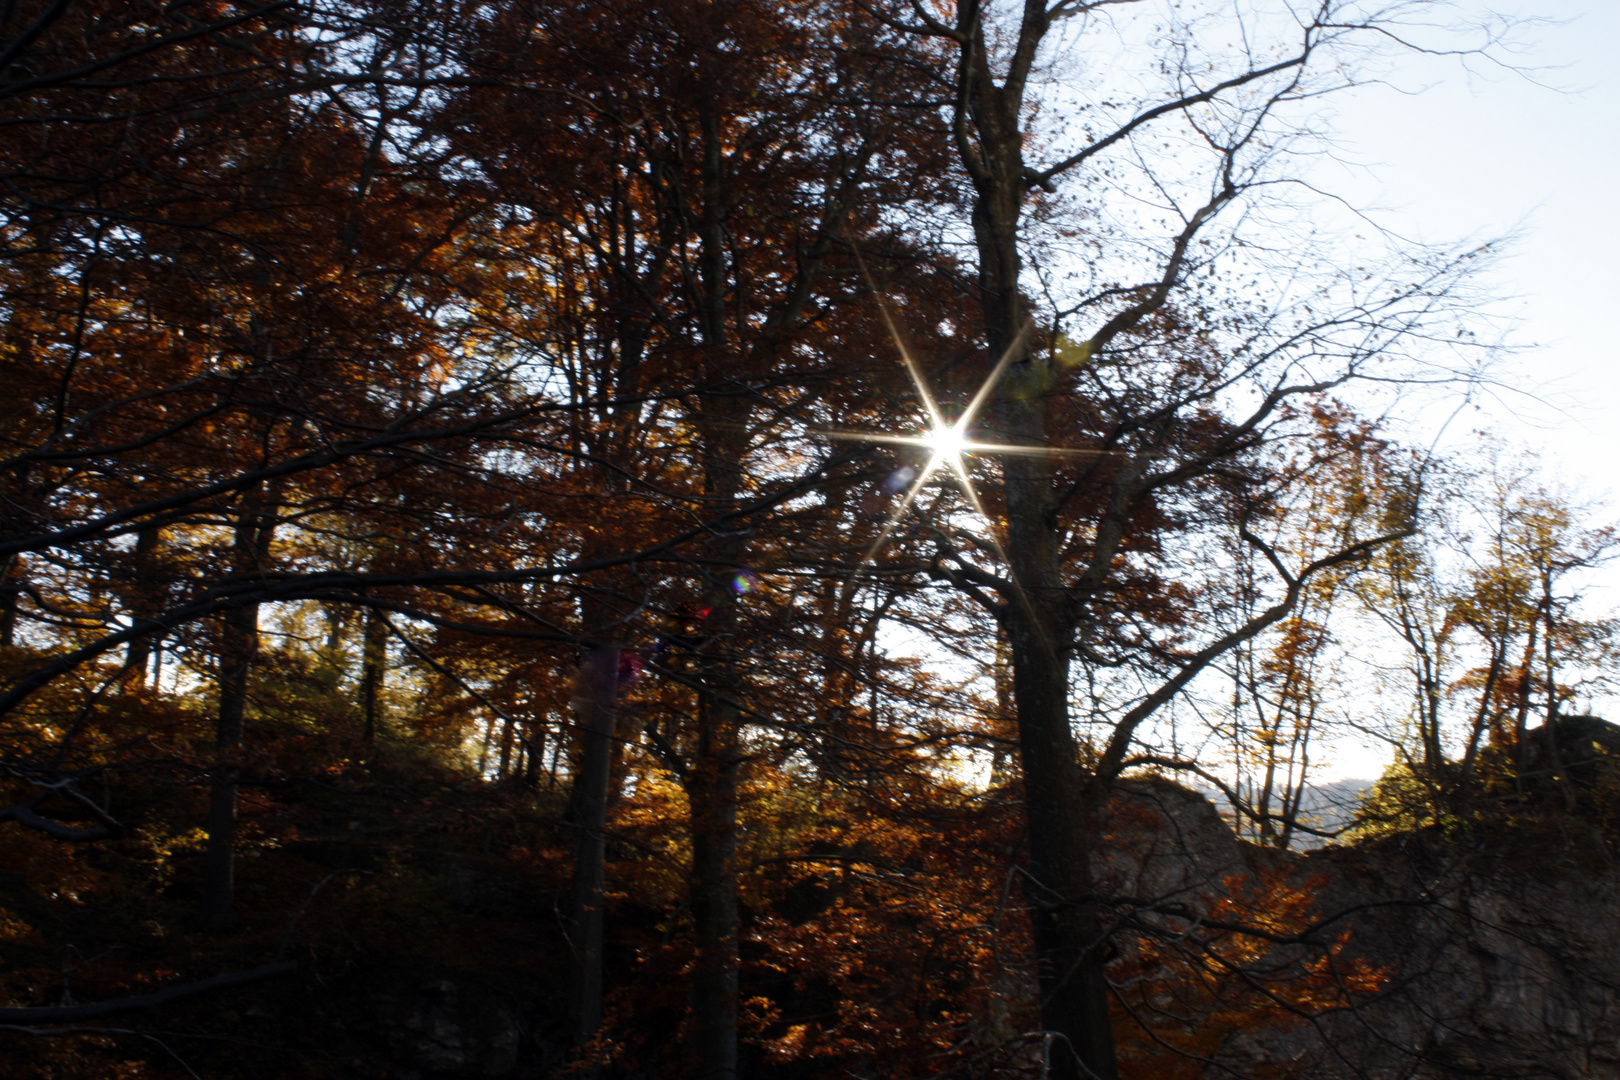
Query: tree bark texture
[
  {"x": 594, "y": 711},
  {"x": 711, "y": 784},
  {"x": 239, "y": 648},
  {"x": 139, "y": 655},
  {"x": 711, "y": 781},
  {"x": 534, "y": 749},
  {"x": 373, "y": 665},
  {"x": 1068, "y": 935},
  {"x": 711, "y": 790}
]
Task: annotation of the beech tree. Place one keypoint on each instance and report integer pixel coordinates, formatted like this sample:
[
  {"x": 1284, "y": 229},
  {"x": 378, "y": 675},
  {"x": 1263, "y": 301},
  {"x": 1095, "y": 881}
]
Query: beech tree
[
  {"x": 456, "y": 367},
  {"x": 1143, "y": 392},
  {"x": 540, "y": 341},
  {"x": 1492, "y": 634},
  {"x": 685, "y": 263}
]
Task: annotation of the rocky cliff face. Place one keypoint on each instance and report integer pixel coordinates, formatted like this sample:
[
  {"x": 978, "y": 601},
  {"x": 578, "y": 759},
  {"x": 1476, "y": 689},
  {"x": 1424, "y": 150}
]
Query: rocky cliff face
[{"x": 1499, "y": 953}]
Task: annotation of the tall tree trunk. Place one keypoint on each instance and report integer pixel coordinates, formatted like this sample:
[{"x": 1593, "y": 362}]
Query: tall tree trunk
[
  {"x": 711, "y": 783},
  {"x": 239, "y": 648},
  {"x": 140, "y": 650},
  {"x": 489, "y": 740},
  {"x": 1555, "y": 757},
  {"x": 534, "y": 749},
  {"x": 1069, "y": 938},
  {"x": 594, "y": 710},
  {"x": 504, "y": 769},
  {"x": 1521, "y": 744},
  {"x": 373, "y": 670},
  {"x": 711, "y": 791}
]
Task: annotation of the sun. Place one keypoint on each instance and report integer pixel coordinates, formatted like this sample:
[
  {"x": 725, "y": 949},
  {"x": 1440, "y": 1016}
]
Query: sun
[{"x": 947, "y": 443}]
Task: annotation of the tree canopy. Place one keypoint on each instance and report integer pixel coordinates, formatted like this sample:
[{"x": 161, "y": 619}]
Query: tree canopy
[{"x": 697, "y": 512}]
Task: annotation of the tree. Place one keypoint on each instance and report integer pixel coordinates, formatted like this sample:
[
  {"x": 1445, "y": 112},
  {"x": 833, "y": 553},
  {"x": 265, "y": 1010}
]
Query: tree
[
  {"x": 1274, "y": 702},
  {"x": 685, "y": 285},
  {"x": 447, "y": 362},
  {"x": 520, "y": 336},
  {"x": 1146, "y": 388},
  {"x": 1486, "y": 604},
  {"x": 228, "y": 330}
]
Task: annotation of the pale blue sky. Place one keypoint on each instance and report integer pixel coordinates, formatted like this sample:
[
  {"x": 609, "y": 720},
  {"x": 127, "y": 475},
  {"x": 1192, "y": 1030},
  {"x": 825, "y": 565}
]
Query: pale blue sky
[
  {"x": 1480, "y": 154},
  {"x": 1483, "y": 154}
]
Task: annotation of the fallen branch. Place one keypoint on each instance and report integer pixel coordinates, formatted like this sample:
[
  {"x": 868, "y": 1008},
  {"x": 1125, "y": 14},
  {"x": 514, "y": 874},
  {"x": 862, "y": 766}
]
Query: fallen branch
[
  {"x": 65, "y": 1014},
  {"x": 24, "y": 815}
]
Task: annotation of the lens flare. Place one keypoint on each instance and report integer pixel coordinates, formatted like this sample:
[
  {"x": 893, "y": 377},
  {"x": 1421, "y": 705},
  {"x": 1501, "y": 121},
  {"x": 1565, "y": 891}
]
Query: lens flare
[{"x": 900, "y": 479}]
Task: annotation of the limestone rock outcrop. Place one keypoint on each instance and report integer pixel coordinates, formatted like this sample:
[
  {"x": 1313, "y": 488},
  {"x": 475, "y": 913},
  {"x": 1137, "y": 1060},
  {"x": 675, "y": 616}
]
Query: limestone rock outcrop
[{"x": 1499, "y": 949}]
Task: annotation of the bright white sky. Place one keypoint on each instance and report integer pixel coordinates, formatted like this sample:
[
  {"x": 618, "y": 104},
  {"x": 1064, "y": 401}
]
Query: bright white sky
[
  {"x": 1494, "y": 152},
  {"x": 1483, "y": 154}
]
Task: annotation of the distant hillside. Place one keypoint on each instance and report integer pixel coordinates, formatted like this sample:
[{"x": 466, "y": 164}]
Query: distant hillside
[{"x": 1328, "y": 807}]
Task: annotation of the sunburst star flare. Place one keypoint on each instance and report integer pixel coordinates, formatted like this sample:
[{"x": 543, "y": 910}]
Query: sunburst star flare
[{"x": 948, "y": 444}]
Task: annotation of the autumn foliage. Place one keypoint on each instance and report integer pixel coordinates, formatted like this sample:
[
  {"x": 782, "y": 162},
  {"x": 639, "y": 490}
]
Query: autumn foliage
[{"x": 380, "y": 374}]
